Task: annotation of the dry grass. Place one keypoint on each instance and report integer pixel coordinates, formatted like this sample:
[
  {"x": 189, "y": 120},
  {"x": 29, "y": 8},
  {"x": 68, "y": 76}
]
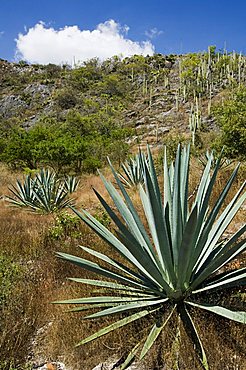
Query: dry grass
[{"x": 25, "y": 237}]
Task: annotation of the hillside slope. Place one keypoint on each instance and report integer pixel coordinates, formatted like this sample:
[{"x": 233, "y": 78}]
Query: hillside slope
[{"x": 134, "y": 101}]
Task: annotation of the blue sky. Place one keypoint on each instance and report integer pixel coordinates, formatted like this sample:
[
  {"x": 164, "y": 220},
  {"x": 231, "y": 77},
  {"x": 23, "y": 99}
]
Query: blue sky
[{"x": 168, "y": 26}]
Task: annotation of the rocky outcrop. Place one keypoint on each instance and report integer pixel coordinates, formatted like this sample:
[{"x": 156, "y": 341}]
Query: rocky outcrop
[{"x": 11, "y": 105}]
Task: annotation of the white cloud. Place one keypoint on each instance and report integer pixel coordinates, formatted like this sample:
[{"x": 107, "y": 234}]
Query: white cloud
[
  {"x": 1, "y": 33},
  {"x": 41, "y": 44},
  {"x": 153, "y": 32}
]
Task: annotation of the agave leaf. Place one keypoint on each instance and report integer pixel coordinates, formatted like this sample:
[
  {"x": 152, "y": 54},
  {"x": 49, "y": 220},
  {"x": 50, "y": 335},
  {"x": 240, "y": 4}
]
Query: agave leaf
[
  {"x": 214, "y": 232},
  {"x": 203, "y": 185},
  {"x": 154, "y": 214},
  {"x": 192, "y": 332},
  {"x": 160, "y": 285},
  {"x": 207, "y": 187},
  {"x": 186, "y": 249},
  {"x": 235, "y": 278},
  {"x": 146, "y": 258},
  {"x": 101, "y": 299},
  {"x": 219, "y": 261},
  {"x": 90, "y": 306},
  {"x": 203, "y": 202},
  {"x": 94, "y": 267},
  {"x": 119, "y": 266},
  {"x": 106, "y": 235},
  {"x": 154, "y": 333},
  {"x": 117, "y": 245},
  {"x": 113, "y": 263},
  {"x": 121, "y": 206},
  {"x": 140, "y": 303},
  {"x": 209, "y": 230},
  {"x": 126, "y": 183},
  {"x": 167, "y": 194},
  {"x": 130, "y": 358},
  {"x": 223, "y": 247},
  {"x": 116, "y": 325},
  {"x": 185, "y": 162},
  {"x": 106, "y": 284},
  {"x": 153, "y": 175},
  {"x": 147, "y": 246},
  {"x": 238, "y": 316},
  {"x": 177, "y": 224},
  {"x": 137, "y": 225}
]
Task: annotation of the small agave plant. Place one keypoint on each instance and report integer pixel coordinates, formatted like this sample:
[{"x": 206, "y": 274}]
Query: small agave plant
[
  {"x": 43, "y": 193},
  {"x": 179, "y": 267},
  {"x": 210, "y": 155},
  {"x": 133, "y": 171}
]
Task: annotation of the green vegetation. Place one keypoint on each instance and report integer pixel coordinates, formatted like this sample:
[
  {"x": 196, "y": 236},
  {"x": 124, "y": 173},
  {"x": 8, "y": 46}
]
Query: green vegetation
[
  {"x": 231, "y": 117},
  {"x": 65, "y": 225},
  {"x": 176, "y": 271},
  {"x": 9, "y": 272},
  {"x": 64, "y": 147},
  {"x": 204, "y": 73}
]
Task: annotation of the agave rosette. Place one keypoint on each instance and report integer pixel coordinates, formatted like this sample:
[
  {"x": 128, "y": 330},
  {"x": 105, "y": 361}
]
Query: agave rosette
[
  {"x": 175, "y": 261},
  {"x": 206, "y": 156},
  {"x": 133, "y": 171},
  {"x": 43, "y": 193}
]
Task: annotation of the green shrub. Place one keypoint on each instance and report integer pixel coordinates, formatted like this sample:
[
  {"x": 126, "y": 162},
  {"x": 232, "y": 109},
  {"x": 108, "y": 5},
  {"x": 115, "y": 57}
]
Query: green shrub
[
  {"x": 231, "y": 117},
  {"x": 80, "y": 143},
  {"x": 9, "y": 273},
  {"x": 102, "y": 216},
  {"x": 65, "y": 98},
  {"x": 10, "y": 365},
  {"x": 92, "y": 164},
  {"x": 171, "y": 141},
  {"x": 66, "y": 225}
]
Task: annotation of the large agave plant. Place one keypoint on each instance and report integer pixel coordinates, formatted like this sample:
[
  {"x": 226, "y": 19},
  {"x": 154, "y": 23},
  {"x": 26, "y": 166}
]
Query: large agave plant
[
  {"x": 177, "y": 267},
  {"x": 133, "y": 171},
  {"x": 43, "y": 193}
]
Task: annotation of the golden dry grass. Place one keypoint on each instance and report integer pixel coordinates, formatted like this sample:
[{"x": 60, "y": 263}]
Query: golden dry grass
[{"x": 25, "y": 237}]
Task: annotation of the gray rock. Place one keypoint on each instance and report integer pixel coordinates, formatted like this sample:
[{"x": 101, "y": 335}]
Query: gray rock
[
  {"x": 42, "y": 90},
  {"x": 142, "y": 121},
  {"x": 162, "y": 115},
  {"x": 50, "y": 366},
  {"x": 162, "y": 130},
  {"x": 131, "y": 114},
  {"x": 10, "y": 105},
  {"x": 111, "y": 364}
]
